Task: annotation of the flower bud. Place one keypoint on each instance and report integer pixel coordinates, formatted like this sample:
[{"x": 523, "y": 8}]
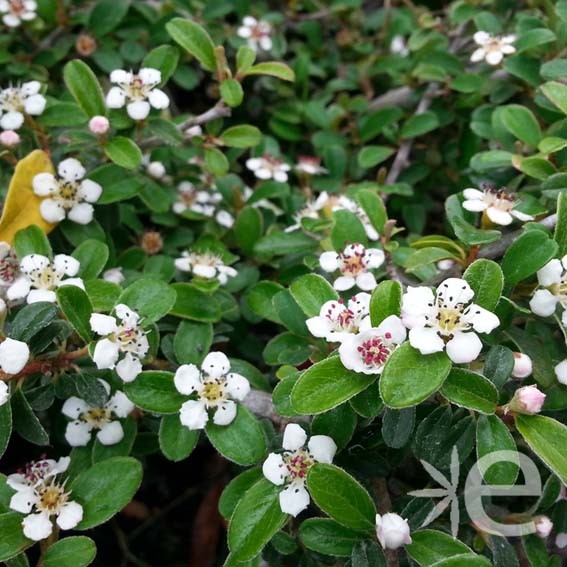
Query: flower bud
[
  {"x": 445, "y": 265},
  {"x": 99, "y": 125},
  {"x": 9, "y": 138},
  {"x": 543, "y": 526},
  {"x": 527, "y": 400},
  {"x": 85, "y": 45},
  {"x": 156, "y": 169},
  {"x": 522, "y": 365},
  {"x": 151, "y": 242},
  {"x": 392, "y": 531}
]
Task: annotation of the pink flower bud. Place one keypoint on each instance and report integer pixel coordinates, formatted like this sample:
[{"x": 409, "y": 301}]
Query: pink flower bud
[
  {"x": 9, "y": 138},
  {"x": 522, "y": 365},
  {"x": 392, "y": 531},
  {"x": 543, "y": 526},
  {"x": 99, "y": 125},
  {"x": 528, "y": 400}
]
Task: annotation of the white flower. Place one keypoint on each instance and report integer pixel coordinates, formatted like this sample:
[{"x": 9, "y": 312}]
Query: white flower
[
  {"x": 40, "y": 495},
  {"x": 561, "y": 540},
  {"x": 137, "y": 92},
  {"x": 155, "y": 169},
  {"x": 15, "y": 102},
  {"x": 522, "y": 365},
  {"x": 398, "y": 46},
  {"x": 290, "y": 468},
  {"x": 206, "y": 203},
  {"x": 40, "y": 277},
  {"x": 105, "y": 419},
  {"x": 337, "y": 321},
  {"x": 492, "y": 48},
  {"x": 309, "y": 165},
  {"x": 124, "y": 337},
  {"x": 392, "y": 531},
  {"x": 14, "y": 12},
  {"x": 68, "y": 194},
  {"x": 544, "y": 526},
  {"x": 216, "y": 388},
  {"x": 205, "y": 265},
  {"x": 446, "y": 320},
  {"x": 553, "y": 279},
  {"x": 354, "y": 263},
  {"x": 113, "y": 275},
  {"x": 369, "y": 350},
  {"x": 268, "y": 167},
  {"x": 498, "y": 205},
  {"x": 256, "y": 32},
  {"x": 9, "y": 138},
  {"x": 14, "y": 355}
]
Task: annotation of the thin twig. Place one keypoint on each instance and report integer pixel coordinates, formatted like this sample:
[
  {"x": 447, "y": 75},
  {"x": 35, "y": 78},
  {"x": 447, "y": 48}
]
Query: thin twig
[{"x": 399, "y": 96}]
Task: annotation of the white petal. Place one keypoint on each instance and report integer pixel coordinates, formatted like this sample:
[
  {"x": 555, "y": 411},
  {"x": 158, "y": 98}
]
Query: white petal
[
  {"x": 207, "y": 272},
  {"x": 225, "y": 219},
  {"x": 51, "y": 210},
  {"x": 74, "y": 407},
  {"x": 78, "y": 433},
  {"x": 4, "y": 393},
  {"x": 392, "y": 329},
  {"x": 254, "y": 163},
  {"x": 280, "y": 176},
  {"x": 561, "y": 372},
  {"x": 475, "y": 206},
  {"x": 225, "y": 413},
  {"x": 417, "y": 303},
  {"x": 425, "y": 340},
  {"x": 374, "y": 258},
  {"x": 129, "y": 367},
  {"x": 237, "y": 386},
  {"x": 365, "y": 281},
  {"x": 77, "y": 282},
  {"x": 90, "y": 191},
  {"x": 23, "y": 500},
  {"x": 473, "y": 194},
  {"x": 11, "y": 21},
  {"x": 105, "y": 354},
  {"x": 193, "y": 414},
  {"x": 522, "y": 216},
  {"x": 111, "y": 433},
  {"x": 551, "y": 273},
  {"x": 30, "y": 87},
  {"x": 323, "y": 448},
  {"x": 187, "y": 379},
  {"x": 66, "y": 264},
  {"x": 82, "y": 213},
  {"x": 294, "y": 499},
  {"x": 478, "y": 55},
  {"x": 35, "y": 104},
  {"x": 37, "y": 526},
  {"x": 319, "y": 326},
  {"x": 14, "y": 355},
  {"x": 294, "y": 437},
  {"x": 158, "y": 99},
  {"x": 44, "y": 184},
  {"x": 274, "y": 469},
  {"x": 115, "y": 98},
  {"x": 342, "y": 283},
  {"x": 329, "y": 261},
  {"x": 71, "y": 169},
  {"x": 150, "y": 76},
  {"x": 138, "y": 110},
  {"x": 183, "y": 264},
  {"x": 71, "y": 514},
  {"x": 497, "y": 216},
  {"x": 103, "y": 324},
  {"x": 34, "y": 262},
  {"x": 12, "y": 120},
  {"x": 38, "y": 295},
  {"x": 120, "y": 404},
  {"x": 482, "y": 320},
  {"x": 455, "y": 291},
  {"x": 543, "y": 303},
  {"x": 494, "y": 57},
  {"x": 464, "y": 347},
  {"x": 481, "y": 37},
  {"x": 126, "y": 315},
  {"x": 120, "y": 76},
  {"x": 216, "y": 364},
  {"x": 350, "y": 357}
]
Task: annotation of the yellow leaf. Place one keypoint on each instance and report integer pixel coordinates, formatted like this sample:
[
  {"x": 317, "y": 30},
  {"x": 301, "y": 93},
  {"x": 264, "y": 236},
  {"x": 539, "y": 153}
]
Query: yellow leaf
[{"x": 21, "y": 208}]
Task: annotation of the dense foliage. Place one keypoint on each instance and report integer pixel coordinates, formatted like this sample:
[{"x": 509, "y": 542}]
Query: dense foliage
[{"x": 326, "y": 241}]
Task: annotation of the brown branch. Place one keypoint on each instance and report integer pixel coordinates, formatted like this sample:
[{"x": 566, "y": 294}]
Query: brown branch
[{"x": 399, "y": 96}]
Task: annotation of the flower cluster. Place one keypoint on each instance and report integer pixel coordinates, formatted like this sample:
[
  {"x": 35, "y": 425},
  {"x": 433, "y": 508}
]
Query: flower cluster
[
  {"x": 205, "y": 265},
  {"x": 269, "y": 167},
  {"x": 201, "y": 202},
  {"x": 257, "y": 33}
]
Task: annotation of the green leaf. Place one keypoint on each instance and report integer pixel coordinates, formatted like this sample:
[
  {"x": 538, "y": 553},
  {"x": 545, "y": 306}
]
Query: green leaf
[
  {"x": 31, "y": 319},
  {"x": 397, "y": 426},
  {"x": 245, "y": 57},
  {"x": 498, "y": 365},
  {"x": 236, "y": 489},
  {"x": 410, "y": 377},
  {"x": 195, "y": 40},
  {"x": 526, "y": 255},
  {"x": 367, "y": 554},
  {"x": 165, "y": 59},
  {"x": 493, "y": 435},
  {"x": 521, "y": 122},
  {"x": 26, "y": 422},
  {"x": 248, "y": 228},
  {"x": 5, "y": 426},
  {"x": 92, "y": 255},
  {"x": 272, "y": 68},
  {"x": 425, "y": 257},
  {"x": 76, "y": 551},
  {"x": 241, "y": 136},
  {"x": 386, "y": 300},
  {"x": 547, "y": 438},
  {"x": 155, "y": 391},
  {"x": 13, "y": 540},
  {"x": 557, "y": 94},
  {"x": 242, "y": 441},
  {"x": 493, "y": 159},
  {"x": 428, "y": 547},
  {"x": 371, "y": 156},
  {"x": 560, "y": 235},
  {"x": 419, "y": 124},
  {"x": 150, "y": 298},
  {"x": 76, "y": 306},
  {"x": 232, "y": 93},
  {"x": 106, "y": 15},
  {"x": 374, "y": 208},
  {"x": 464, "y": 230},
  {"x": 256, "y": 519},
  {"x": 31, "y": 240},
  {"x": 348, "y": 228},
  {"x": 534, "y": 38},
  {"x": 85, "y": 88},
  {"x": 470, "y": 390},
  {"x": 465, "y": 560},
  {"x": 105, "y": 488},
  {"x": 124, "y": 152},
  {"x": 216, "y": 162},
  {"x": 103, "y": 294},
  {"x": 310, "y": 292},
  {"x": 552, "y": 145},
  {"x": 192, "y": 342},
  {"x": 487, "y": 281},
  {"x": 192, "y": 303},
  {"x": 326, "y": 536},
  {"x": 175, "y": 440},
  {"x": 284, "y": 243},
  {"x": 325, "y": 385},
  {"x": 534, "y": 166},
  {"x": 341, "y": 497}
]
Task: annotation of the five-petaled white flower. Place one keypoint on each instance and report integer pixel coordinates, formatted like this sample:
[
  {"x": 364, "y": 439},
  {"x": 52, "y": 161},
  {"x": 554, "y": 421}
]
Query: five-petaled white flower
[
  {"x": 68, "y": 194},
  {"x": 337, "y": 321},
  {"x": 16, "y": 102},
  {"x": 256, "y": 32},
  {"x": 216, "y": 388},
  {"x": 492, "y": 48},
  {"x": 268, "y": 167},
  {"x": 105, "y": 419},
  {"x": 553, "y": 279},
  {"x": 369, "y": 350},
  {"x": 192, "y": 200},
  {"x": 205, "y": 265},
  {"x": 291, "y": 467},
  {"x": 41, "y": 495},
  {"x": 14, "y": 12},
  {"x": 124, "y": 337},
  {"x": 137, "y": 92},
  {"x": 40, "y": 277},
  {"x": 498, "y": 205},
  {"x": 446, "y": 320},
  {"x": 354, "y": 263}
]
